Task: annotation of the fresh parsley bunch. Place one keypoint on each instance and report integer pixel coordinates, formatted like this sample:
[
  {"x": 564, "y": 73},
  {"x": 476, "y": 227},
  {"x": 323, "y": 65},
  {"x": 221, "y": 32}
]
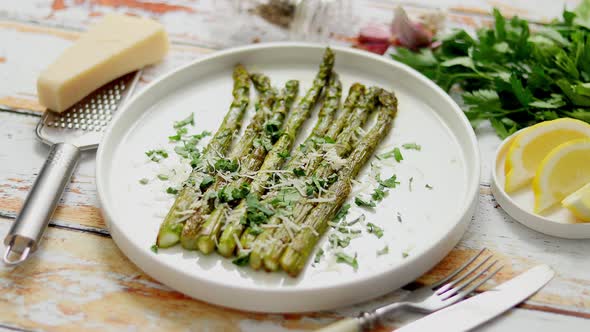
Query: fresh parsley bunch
[{"x": 512, "y": 75}]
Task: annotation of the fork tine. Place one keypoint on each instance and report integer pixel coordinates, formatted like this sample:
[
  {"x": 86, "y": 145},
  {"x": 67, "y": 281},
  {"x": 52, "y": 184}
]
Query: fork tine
[
  {"x": 454, "y": 273},
  {"x": 451, "y": 284},
  {"x": 470, "y": 280},
  {"x": 470, "y": 289}
]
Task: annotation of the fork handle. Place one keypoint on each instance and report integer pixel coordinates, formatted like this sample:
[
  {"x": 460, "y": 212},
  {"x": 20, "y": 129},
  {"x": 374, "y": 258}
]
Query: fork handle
[
  {"x": 366, "y": 321},
  {"x": 344, "y": 325},
  {"x": 25, "y": 233}
]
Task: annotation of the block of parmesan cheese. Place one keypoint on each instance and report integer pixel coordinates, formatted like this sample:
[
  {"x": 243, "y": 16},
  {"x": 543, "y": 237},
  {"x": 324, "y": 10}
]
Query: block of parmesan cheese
[{"x": 115, "y": 46}]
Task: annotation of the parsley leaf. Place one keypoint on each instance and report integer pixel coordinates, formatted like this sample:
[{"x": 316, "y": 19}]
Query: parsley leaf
[
  {"x": 389, "y": 182},
  {"x": 412, "y": 146},
  {"x": 206, "y": 182},
  {"x": 395, "y": 153},
  {"x": 378, "y": 194},
  {"x": 341, "y": 214},
  {"x": 242, "y": 260},
  {"x": 383, "y": 251},
  {"x": 156, "y": 155},
  {"x": 511, "y": 75},
  {"x": 346, "y": 259},
  {"x": 163, "y": 177},
  {"x": 154, "y": 248},
  {"x": 144, "y": 181},
  {"x": 188, "y": 120},
  {"x": 298, "y": 171},
  {"x": 374, "y": 229},
  {"x": 318, "y": 256},
  {"x": 172, "y": 191},
  {"x": 363, "y": 203},
  {"x": 178, "y": 136},
  {"x": 226, "y": 165}
]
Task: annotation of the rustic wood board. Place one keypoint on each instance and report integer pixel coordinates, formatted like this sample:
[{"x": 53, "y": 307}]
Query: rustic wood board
[{"x": 80, "y": 280}]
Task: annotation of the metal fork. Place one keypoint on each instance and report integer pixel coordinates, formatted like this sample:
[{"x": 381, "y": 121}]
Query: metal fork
[{"x": 426, "y": 299}]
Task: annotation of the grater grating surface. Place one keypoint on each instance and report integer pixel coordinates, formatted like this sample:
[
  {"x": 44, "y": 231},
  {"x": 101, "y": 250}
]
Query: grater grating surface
[{"x": 83, "y": 124}]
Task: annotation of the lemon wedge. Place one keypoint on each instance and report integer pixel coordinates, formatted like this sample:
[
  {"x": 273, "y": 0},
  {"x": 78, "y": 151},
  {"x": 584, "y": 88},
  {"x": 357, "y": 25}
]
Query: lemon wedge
[
  {"x": 579, "y": 203},
  {"x": 563, "y": 171},
  {"x": 532, "y": 144}
]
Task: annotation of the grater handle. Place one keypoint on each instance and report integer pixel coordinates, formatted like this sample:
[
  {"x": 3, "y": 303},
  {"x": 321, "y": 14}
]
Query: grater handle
[{"x": 25, "y": 233}]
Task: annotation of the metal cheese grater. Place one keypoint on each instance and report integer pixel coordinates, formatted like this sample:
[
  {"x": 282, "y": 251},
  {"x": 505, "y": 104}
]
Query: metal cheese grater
[{"x": 77, "y": 129}]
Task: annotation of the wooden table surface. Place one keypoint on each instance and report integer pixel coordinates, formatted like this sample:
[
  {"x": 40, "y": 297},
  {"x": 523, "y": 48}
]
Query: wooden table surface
[{"x": 79, "y": 280}]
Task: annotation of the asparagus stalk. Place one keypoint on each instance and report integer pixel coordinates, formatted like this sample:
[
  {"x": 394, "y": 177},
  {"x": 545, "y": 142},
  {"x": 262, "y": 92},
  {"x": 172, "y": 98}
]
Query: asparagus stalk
[
  {"x": 270, "y": 245},
  {"x": 234, "y": 224},
  {"x": 254, "y": 131},
  {"x": 295, "y": 256},
  {"x": 331, "y": 104},
  {"x": 203, "y": 238},
  {"x": 171, "y": 227}
]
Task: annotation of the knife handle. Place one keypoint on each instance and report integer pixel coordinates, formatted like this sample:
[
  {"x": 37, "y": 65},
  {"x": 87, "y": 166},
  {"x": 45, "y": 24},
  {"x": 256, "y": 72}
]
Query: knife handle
[{"x": 344, "y": 325}]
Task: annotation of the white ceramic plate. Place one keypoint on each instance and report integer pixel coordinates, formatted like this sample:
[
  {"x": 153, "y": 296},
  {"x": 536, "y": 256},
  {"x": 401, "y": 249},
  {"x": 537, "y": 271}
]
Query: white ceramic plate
[
  {"x": 433, "y": 221},
  {"x": 520, "y": 205}
]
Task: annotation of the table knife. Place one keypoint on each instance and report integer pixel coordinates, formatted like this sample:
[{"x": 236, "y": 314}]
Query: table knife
[{"x": 479, "y": 309}]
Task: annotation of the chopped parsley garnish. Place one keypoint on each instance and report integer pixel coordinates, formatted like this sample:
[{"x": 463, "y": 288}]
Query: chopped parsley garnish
[
  {"x": 363, "y": 203},
  {"x": 329, "y": 140},
  {"x": 188, "y": 120},
  {"x": 189, "y": 149},
  {"x": 172, "y": 191},
  {"x": 179, "y": 133},
  {"x": 256, "y": 211},
  {"x": 207, "y": 181},
  {"x": 157, "y": 155},
  {"x": 341, "y": 214},
  {"x": 383, "y": 251},
  {"x": 144, "y": 181},
  {"x": 226, "y": 165},
  {"x": 360, "y": 218},
  {"x": 410, "y": 183},
  {"x": 242, "y": 260},
  {"x": 395, "y": 153},
  {"x": 405, "y": 254},
  {"x": 154, "y": 248},
  {"x": 229, "y": 193},
  {"x": 298, "y": 171},
  {"x": 285, "y": 154},
  {"x": 255, "y": 230},
  {"x": 346, "y": 259},
  {"x": 318, "y": 256},
  {"x": 163, "y": 177},
  {"x": 374, "y": 229},
  {"x": 412, "y": 146},
  {"x": 427, "y": 186},
  {"x": 378, "y": 194},
  {"x": 336, "y": 241},
  {"x": 389, "y": 182},
  {"x": 263, "y": 142}
]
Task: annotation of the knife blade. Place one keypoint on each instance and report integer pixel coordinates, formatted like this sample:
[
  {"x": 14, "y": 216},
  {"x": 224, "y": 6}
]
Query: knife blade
[{"x": 479, "y": 309}]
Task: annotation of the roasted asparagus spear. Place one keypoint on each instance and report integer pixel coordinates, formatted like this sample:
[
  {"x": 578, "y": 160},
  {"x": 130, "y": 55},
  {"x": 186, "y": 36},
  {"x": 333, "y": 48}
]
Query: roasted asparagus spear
[
  {"x": 234, "y": 224},
  {"x": 200, "y": 237},
  {"x": 253, "y": 132},
  {"x": 171, "y": 227},
  {"x": 295, "y": 256},
  {"x": 325, "y": 127},
  {"x": 270, "y": 244}
]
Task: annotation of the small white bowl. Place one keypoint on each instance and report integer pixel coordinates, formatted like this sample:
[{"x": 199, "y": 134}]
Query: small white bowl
[{"x": 557, "y": 222}]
